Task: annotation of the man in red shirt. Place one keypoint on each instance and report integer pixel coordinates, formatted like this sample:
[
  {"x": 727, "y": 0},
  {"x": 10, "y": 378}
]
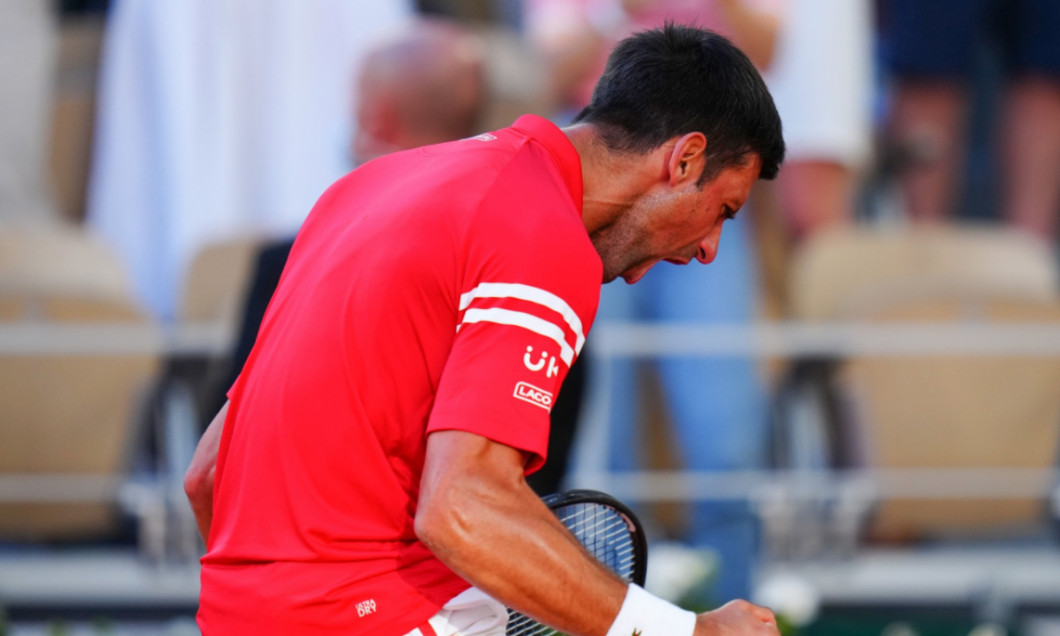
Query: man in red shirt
[{"x": 369, "y": 466}]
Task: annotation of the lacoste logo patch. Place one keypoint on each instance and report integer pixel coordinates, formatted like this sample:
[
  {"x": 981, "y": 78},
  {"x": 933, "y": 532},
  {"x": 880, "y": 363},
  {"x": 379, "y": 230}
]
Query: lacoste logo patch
[{"x": 537, "y": 396}]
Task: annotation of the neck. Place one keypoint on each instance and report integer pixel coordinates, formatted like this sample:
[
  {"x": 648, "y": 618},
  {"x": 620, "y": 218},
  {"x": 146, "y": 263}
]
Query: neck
[{"x": 612, "y": 182}]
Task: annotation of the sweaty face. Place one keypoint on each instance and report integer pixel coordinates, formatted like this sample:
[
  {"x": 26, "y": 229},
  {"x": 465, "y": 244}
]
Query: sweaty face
[{"x": 677, "y": 225}]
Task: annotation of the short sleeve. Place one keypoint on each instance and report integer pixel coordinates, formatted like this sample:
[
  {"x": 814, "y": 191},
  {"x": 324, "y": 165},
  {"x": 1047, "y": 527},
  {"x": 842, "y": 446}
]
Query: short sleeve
[{"x": 529, "y": 294}]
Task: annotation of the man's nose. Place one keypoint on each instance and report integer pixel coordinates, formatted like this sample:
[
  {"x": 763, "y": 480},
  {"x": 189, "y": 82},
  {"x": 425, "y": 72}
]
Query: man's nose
[{"x": 708, "y": 247}]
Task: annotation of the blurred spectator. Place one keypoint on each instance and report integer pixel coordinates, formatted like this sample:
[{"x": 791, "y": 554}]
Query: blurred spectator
[
  {"x": 821, "y": 78},
  {"x": 424, "y": 87},
  {"x": 576, "y": 35},
  {"x": 219, "y": 118},
  {"x": 932, "y": 50},
  {"x": 821, "y": 81},
  {"x": 505, "y": 13},
  {"x": 717, "y": 405},
  {"x": 28, "y": 41}
]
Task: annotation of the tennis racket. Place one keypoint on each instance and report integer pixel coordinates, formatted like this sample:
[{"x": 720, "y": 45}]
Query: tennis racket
[{"x": 608, "y": 530}]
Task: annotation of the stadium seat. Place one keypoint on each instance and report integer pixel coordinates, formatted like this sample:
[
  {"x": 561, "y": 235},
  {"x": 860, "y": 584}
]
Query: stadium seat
[
  {"x": 67, "y": 411},
  {"x": 958, "y": 412},
  {"x": 927, "y": 412},
  {"x": 216, "y": 280}
]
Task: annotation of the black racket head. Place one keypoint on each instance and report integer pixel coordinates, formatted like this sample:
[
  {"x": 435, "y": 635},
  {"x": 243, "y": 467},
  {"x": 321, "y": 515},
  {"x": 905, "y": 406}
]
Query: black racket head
[
  {"x": 607, "y": 528},
  {"x": 609, "y": 531}
]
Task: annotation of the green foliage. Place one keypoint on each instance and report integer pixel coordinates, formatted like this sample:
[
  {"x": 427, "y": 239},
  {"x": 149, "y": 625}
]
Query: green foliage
[
  {"x": 786, "y": 626},
  {"x": 58, "y": 628},
  {"x": 103, "y": 626}
]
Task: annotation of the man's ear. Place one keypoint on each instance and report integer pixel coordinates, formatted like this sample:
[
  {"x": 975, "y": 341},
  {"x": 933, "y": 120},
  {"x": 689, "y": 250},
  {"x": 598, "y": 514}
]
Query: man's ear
[{"x": 688, "y": 158}]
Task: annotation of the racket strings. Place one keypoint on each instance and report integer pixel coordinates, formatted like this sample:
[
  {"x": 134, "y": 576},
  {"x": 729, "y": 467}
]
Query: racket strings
[{"x": 606, "y": 534}]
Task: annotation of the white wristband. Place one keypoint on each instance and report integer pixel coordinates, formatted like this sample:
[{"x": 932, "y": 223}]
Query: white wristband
[{"x": 643, "y": 614}]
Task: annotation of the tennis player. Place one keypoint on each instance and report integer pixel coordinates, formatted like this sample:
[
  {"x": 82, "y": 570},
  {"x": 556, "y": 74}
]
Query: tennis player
[{"x": 367, "y": 473}]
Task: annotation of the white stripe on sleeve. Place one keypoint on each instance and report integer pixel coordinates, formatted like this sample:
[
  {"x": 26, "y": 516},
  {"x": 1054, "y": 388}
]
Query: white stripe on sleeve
[
  {"x": 531, "y": 322},
  {"x": 530, "y": 294}
]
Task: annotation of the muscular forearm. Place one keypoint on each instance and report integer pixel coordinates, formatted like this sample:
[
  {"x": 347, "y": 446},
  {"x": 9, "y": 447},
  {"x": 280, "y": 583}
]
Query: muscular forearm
[
  {"x": 199, "y": 478},
  {"x": 499, "y": 536},
  {"x": 481, "y": 519}
]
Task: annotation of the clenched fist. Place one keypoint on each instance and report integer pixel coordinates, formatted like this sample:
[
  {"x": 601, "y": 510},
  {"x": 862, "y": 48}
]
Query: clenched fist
[{"x": 737, "y": 618}]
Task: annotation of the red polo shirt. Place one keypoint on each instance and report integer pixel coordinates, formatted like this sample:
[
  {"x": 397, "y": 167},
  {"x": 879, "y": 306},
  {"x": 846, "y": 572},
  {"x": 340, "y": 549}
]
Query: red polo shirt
[{"x": 447, "y": 287}]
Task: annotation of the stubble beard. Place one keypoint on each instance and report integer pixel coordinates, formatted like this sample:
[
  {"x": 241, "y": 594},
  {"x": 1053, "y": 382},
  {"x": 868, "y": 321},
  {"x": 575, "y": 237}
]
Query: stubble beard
[
  {"x": 620, "y": 250},
  {"x": 622, "y": 245}
]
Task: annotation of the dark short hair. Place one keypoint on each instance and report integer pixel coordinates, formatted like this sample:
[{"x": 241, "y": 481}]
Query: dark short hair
[{"x": 667, "y": 82}]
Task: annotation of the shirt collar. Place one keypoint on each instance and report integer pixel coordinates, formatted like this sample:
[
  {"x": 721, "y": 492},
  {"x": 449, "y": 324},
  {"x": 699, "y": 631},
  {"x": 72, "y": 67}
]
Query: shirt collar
[{"x": 560, "y": 148}]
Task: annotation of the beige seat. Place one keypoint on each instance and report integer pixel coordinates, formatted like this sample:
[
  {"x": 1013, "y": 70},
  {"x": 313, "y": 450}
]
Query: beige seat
[
  {"x": 946, "y": 411},
  {"x": 66, "y": 413},
  {"x": 216, "y": 281},
  {"x": 963, "y": 412},
  {"x": 213, "y": 298},
  {"x": 844, "y": 270},
  {"x": 59, "y": 261}
]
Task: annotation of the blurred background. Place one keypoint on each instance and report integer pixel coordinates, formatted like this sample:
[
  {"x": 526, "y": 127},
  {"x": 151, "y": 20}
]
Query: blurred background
[{"x": 852, "y": 416}]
